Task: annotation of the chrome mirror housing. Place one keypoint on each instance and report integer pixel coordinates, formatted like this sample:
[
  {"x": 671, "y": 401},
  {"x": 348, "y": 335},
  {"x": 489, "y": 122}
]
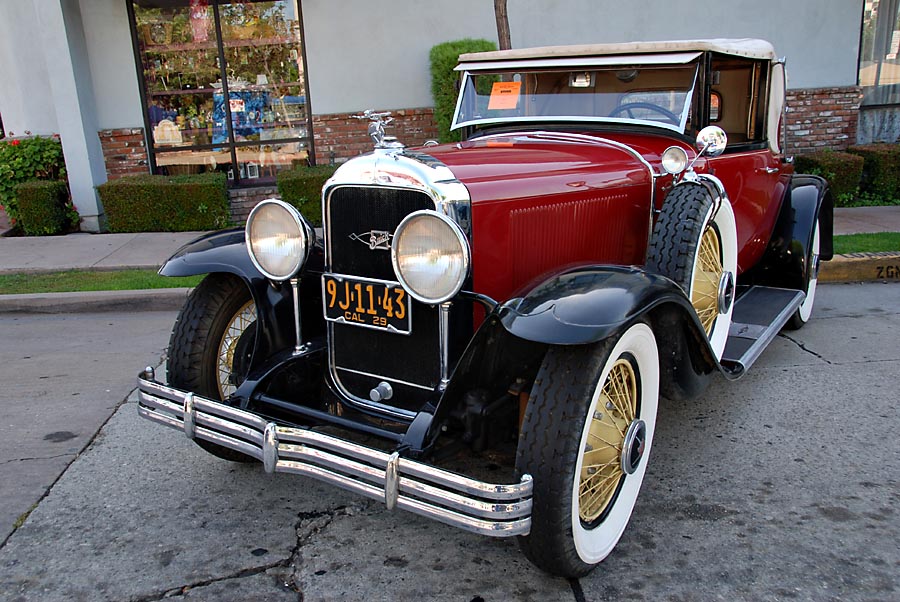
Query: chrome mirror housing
[{"x": 711, "y": 141}]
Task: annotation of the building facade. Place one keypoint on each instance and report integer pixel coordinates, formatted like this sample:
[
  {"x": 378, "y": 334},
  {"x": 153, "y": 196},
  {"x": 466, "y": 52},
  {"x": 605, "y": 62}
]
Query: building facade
[{"x": 251, "y": 87}]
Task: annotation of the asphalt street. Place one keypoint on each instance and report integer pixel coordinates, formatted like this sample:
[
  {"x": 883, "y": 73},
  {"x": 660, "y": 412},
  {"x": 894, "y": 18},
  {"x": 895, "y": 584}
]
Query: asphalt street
[{"x": 781, "y": 486}]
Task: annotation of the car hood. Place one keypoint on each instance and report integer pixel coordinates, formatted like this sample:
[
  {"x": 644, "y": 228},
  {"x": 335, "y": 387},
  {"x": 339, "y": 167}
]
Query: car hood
[{"x": 532, "y": 164}]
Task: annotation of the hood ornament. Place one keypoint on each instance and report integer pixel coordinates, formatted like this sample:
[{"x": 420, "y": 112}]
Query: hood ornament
[{"x": 377, "y": 121}]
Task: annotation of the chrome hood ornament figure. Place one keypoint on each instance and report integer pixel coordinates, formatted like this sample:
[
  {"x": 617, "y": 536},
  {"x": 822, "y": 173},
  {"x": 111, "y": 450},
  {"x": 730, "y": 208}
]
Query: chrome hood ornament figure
[{"x": 377, "y": 121}]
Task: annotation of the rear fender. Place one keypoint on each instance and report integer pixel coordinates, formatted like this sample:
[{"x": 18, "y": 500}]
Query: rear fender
[
  {"x": 785, "y": 263},
  {"x": 225, "y": 252}
]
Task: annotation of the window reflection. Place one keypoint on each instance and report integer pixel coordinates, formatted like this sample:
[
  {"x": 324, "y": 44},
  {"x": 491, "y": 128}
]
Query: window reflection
[{"x": 209, "y": 95}]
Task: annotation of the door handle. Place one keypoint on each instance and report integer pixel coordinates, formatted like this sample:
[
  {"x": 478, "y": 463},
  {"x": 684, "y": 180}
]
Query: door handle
[{"x": 768, "y": 170}]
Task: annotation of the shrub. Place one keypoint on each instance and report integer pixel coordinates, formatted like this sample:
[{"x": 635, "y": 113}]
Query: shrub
[
  {"x": 148, "y": 203},
  {"x": 44, "y": 207},
  {"x": 24, "y": 159},
  {"x": 302, "y": 188},
  {"x": 842, "y": 170},
  {"x": 445, "y": 81},
  {"x": 881, "y": 170}
]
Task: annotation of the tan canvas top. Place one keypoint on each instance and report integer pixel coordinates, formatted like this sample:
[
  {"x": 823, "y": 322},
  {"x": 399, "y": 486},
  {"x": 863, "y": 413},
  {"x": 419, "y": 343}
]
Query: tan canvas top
[{"x": 745, "y": 47}]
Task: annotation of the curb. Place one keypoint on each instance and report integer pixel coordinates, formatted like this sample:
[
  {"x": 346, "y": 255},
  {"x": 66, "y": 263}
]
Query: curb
[
  {"x": 856, "y": 267},
  {"x": 862, "y": 267},
  {"x": 160, "y": 299}
]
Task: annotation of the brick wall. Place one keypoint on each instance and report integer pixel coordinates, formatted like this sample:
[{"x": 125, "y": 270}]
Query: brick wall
[
  {"x": 124, "y": 152},
  {"x": 822, "y": 118},
  {"x": 242, "y": 200},
  {"x": 346, "y": 137}
]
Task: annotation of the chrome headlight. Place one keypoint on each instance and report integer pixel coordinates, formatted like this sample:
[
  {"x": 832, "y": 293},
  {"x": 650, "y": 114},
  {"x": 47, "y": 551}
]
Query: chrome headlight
[
  {"x": 431, "y": 256},
  {"x": 278, "y": 239},
  {"x": 674, "y": 160}
]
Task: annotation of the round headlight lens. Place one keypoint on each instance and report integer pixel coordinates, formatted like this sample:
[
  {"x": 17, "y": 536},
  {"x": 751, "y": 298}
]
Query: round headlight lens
[
  {"x": 278, "y": 239},
  {"x": 674, "y": 160},
  {"x": 431, "y": 256}
]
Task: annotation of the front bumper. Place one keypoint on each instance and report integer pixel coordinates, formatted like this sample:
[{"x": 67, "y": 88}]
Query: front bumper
[{"x": 486, "y": 508}]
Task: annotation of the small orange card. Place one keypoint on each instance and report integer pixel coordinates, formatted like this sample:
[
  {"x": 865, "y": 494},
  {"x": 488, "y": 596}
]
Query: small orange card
[{"x": 504, "y": 95}]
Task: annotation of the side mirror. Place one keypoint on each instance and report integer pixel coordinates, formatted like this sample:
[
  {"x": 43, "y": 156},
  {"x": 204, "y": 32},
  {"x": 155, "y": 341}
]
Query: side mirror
[{"x": 711, "y": 141}]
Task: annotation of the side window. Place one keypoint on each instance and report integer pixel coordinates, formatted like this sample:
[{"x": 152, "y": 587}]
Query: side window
[{"x": 738, "y": 99}]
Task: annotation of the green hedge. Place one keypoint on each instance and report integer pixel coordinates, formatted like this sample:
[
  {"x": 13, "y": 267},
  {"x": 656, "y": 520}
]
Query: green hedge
[
  {"x": 302, "y": 188},
  {"x": 44, "y": 207},
  {"x": 148, "y": 203},
  {"x": 842, "y": 170},
  {"x": 24, "y": 159},
  {"x": 881, "y": 170},
  {"x": 445, "y": 81}
]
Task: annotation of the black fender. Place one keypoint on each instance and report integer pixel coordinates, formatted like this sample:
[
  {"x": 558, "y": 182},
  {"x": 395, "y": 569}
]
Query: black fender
[
  {"x": 579, "y": 307},
  {"x": 226, "y": 252},
  {"x": 785, "y": 262},
  {"x": 586, "y": 305}
]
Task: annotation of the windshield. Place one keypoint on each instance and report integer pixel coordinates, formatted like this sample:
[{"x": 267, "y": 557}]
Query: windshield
[{"x": 656, "y": 96}]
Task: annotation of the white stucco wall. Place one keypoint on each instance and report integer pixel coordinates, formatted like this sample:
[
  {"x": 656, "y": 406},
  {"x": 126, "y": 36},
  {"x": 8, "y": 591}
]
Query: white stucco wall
[
  {"x": 26, "y": 101},
  {"x": 375, "y": 55},
  {"x": 820, "y": 38},
  {"x": 364, "y": 54},
  {"x": 111, "y": 58}
]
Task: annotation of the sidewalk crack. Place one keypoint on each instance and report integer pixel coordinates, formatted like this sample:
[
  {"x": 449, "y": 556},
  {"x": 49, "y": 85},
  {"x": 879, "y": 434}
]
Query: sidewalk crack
[
  {"x": 803, "y": 347},
  {"x": 73, "y": 454}
]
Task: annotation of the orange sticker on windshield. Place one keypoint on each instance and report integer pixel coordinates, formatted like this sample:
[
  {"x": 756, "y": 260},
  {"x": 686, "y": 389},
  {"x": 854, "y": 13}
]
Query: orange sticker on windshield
[{"x": 504, "y": 95}]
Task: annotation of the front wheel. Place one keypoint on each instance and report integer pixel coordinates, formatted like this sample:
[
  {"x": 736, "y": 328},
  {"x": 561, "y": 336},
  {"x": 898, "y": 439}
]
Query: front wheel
[
  {"x": 585, "y": 440},
  {"x": 212, "y": 344}
]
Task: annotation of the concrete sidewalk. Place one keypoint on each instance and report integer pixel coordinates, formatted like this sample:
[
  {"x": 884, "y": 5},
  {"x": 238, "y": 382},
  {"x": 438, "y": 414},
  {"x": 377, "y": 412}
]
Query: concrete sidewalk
[{"x": 149, "y": 250}]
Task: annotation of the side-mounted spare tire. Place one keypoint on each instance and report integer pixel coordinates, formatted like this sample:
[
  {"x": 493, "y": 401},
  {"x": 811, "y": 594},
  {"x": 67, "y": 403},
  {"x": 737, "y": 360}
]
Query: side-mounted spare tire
[
  {"x": 212, "y": 344},
  {"x": 694, "y": 243}
]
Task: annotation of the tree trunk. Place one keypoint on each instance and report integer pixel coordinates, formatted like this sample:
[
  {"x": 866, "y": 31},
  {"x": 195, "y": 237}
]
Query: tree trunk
[{"x": 502, "y": 24}]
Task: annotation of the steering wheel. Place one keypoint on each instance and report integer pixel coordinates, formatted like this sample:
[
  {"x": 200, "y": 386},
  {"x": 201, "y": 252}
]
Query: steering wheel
[{"x": 628, "y": 107}]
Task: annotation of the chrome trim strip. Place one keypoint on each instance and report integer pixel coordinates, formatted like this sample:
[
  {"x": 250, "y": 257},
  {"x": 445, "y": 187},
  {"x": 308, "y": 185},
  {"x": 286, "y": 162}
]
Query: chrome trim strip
[
  {"x": 190, "y": 417},
  {"x": 499, "y": 510},
  {"x": 386, "y": 378},
  {"x": 444, "y": 336},
  {"x": 392, "y": 481}
]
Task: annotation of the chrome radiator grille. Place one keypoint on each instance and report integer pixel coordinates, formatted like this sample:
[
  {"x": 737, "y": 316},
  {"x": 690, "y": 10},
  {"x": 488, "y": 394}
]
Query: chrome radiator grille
[{"x": 361, "y": 357}]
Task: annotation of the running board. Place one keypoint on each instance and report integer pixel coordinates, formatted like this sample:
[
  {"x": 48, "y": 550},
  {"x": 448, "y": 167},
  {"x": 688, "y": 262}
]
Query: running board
[{"x": 758, "y": 316}]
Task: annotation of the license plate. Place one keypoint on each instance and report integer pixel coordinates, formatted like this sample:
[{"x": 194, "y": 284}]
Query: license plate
[{"x": 367, "y": 303}]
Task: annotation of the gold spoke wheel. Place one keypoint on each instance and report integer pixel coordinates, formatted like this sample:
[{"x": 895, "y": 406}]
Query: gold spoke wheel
[
  {"x": 601, "y": 469},
  {"x": 238, "y": 325},
  {"x": 707, "y": 276}
]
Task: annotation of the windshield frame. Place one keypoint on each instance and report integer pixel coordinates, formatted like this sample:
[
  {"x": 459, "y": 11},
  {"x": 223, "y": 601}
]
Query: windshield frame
[{"x": 469, "y": 73}]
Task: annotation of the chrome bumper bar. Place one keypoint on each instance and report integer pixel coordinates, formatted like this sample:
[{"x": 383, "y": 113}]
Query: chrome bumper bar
[{"x": 485, "y": 508}]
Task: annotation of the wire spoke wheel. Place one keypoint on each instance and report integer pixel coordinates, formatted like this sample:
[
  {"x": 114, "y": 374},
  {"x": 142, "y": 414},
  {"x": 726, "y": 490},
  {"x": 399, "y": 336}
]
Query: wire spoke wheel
[
  {"x": 707, "y": 275},
  {"x": 231, "y": 348},
  {"x": 601, "y": 469}
]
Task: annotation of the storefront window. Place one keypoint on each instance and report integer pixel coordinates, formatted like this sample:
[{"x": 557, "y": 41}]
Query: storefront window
[
  {"x": 195, "y": 54},
  {"x": 879, "y": 57}
]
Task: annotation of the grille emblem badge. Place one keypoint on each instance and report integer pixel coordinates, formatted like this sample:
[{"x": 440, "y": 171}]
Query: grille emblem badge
[{"x": 376, "y": 239}]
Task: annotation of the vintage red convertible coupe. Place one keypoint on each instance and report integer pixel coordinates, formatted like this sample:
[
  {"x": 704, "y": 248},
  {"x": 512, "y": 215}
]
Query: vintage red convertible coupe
[{"x": 618, "y": 224}]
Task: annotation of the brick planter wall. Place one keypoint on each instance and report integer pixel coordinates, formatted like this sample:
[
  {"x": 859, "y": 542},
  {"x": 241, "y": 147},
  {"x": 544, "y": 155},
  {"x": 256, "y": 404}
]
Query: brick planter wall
[
  {"x": 346, "y": 137},
  {"x": 124, "y": 152},
  {"x": 243, "y": 200},
  {"x": 822, "y": 118}
]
